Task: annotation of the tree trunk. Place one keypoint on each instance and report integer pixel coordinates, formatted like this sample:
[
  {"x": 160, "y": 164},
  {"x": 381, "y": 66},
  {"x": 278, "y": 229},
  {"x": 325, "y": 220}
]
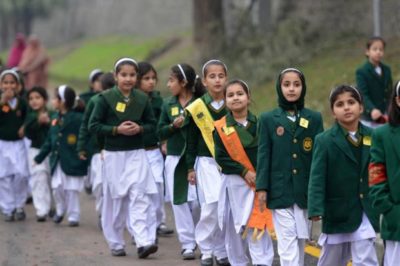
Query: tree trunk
[
  {"x": 265, "y": 16},
  {"x": 208, "y": 27}
]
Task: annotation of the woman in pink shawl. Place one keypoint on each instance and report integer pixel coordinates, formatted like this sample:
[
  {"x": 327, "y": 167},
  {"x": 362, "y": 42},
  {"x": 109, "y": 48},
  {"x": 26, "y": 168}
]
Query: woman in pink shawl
[
  {"x": 16, "y": 51},
  {"x": 34, "y": 64}
]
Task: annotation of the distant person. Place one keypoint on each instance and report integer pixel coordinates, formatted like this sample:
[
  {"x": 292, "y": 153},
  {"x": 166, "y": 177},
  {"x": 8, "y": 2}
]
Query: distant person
[
  {"x": 34, "y": 64},
  {"x": 16, "y": 51},
  {"x": 94, "y": 85},
  {"x": 374, "y": 80}
]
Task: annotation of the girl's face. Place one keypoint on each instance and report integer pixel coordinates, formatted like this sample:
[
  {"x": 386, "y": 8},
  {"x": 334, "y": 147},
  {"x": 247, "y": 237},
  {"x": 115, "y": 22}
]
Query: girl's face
[
  {"x": 346, "y": 109},
  {"x": 9, "y": 84},
  {"x": 236, "y": 98},
  {"x": 148, "y": 82},
  {"x": 126, "y": 77},
  {"x": 36, "y": 101},
  {"x": 291, "y": 86},
  {"x": 56, "y": 102},
  {"x": 215, "y": 78},
  {"x": 175, "y": 86},
  {"x": 375, "y": 52},
  {"x": 96, "y": 85}
]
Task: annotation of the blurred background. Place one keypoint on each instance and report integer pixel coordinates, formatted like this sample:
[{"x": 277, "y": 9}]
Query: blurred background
[{"x": 256, "y": 38}]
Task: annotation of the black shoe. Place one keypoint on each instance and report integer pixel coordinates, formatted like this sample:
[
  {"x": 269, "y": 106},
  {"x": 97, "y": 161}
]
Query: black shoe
[
  {"x": 88, "y": 190},
  {"x": 163, "y": 230},
  {"x": 144, "y": 252},
  {"x": 29, "y": 200},
  {"x": 41, "y": 219},
  {"x": 9, "y": 217},
  {"x": 188, "y": 254},
  {"x": 207, "y": 262},
  {"x": 73, "y": 224},
  {"x": 222, "y": 262},
  {"x": 20, "y": 214},
  {"x": 57, "y": 219},
  {"x": 118, "y": 252},
  {"x": 51, "y": 213}
]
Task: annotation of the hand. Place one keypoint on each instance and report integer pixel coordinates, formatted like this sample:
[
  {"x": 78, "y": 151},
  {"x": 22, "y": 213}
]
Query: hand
[
  {"x": 250, "y": 178},
  {"x": 7, "y": 95},
  {"x": 21, "y": 132},
  {"x": 136, "y": 128},
  {"x": 82, "y": 157},
  {"x": 164, "y": 148},
  {"x": 44, "y": 118},
  {"x": 127, "y": 128},
  {"x": 192, "y": 177},
  {"x": 178, "y": 122},
  {"x": 262, "y": 200},
  {"x": 375, "y": 114},
  {"x": 315, "y": 218}
]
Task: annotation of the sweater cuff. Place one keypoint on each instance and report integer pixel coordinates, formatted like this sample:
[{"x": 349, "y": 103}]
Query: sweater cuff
[
  {"x": 244, "y": 172},
  {"x": 114, "y": 131}
]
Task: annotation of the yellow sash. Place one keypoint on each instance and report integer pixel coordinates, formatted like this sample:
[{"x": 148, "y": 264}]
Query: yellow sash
[{"x": 204, "y": 121}]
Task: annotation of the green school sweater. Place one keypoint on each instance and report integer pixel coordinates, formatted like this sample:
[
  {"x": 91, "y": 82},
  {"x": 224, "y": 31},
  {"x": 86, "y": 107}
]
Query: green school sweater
[
  {"x": 151, "y": 139},
  {"x": 11, "y": 120},
  {"x": 35, "y": 131}
]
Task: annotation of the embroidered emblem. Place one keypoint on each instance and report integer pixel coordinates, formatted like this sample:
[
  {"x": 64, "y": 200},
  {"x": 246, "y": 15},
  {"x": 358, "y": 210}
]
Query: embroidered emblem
[
  {"x": 304, "y": 122},
  {"x": 174, "y": 111},
  {"x": 367, "y": 140},
  {"x": 71, "y": 139},
  {"x": 376, "y": 173},
  {"x": 120, "y": 107},
  {"x": 307, "y": 144},
  {"x": 5, "y": 108},
  {"x": 200, "y": 115},
  {"x": 280, "y": 131}
]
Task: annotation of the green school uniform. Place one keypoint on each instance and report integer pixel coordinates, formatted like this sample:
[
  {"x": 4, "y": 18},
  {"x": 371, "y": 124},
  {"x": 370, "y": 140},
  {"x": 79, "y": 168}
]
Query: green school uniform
[
  {"x": 375, "y": 88},
  {"x": 385, "y": 194},
  {"x": 11, "y": 119},
  {"x": 86, "y": 96},
  {"x": 248, "y": 137},
  {"x": 175, "y": 138},
  {"x": 111, "y": 109},
  {"x": 338, "y": 189},
  {"x": 35, "y": 131},
  {"x": 195, "y": 143},
  {"x": 151, "y": 139},
  {"x": 61, "y": 143},
  {"x": 284, "y": 156}
]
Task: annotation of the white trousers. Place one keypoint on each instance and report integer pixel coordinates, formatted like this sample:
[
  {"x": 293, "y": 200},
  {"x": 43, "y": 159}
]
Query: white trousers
[
  {"x": 261, "y": 251},
  {"x": 291, "y": 228},
  {"x": 186, "y": 217},
  {"x": 361, "y": 252},
  {"x": 96, "y": 173},
  {"x": 67, "y": 202},
  {"x": 158, "y": 203},
  {"x": 13, "y": 193},
  {"x": 392, "y": 253},
  {"x": 209, "y": 237},
  {"x": 39, "y": 183},
  {"x": 136, "y": 204}
]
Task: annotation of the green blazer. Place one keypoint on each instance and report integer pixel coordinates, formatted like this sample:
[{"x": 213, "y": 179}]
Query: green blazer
[
  {"x": 61, "y": 143},
  {"x": 34, "y": 131},
  {"x": 86, "y": 96},
  {"x": 375, "y": 89},
  {"x": 385, "y": 193},
  {"x": 11, "y": 120},
  {"x": 338, "y": 189},
  {"x": 284, "y": 156},
  {"x": 151, "y": 139}
]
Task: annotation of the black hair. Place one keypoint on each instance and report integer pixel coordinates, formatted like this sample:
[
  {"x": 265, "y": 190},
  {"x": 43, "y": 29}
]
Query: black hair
[
  {"x": 355, "y": 93},
  {"x": 143, "y": 69},
  {"x": 71, "y": 101},
  {"x": 240, "y": 82},
  {"x": 125, "y": 61},
  {"x": 42, "y": 92},
  {"x": 373, "y": 39},
  {"x": 184, "y": 72},
  {"x": 213, "y": 62},
  {"x": 107, "y": 81},
  {"x": 394, "y": 109}
]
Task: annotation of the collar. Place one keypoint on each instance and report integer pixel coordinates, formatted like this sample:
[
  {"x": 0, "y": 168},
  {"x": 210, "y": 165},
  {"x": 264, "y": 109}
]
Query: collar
[{"x": 230, "y": 121}]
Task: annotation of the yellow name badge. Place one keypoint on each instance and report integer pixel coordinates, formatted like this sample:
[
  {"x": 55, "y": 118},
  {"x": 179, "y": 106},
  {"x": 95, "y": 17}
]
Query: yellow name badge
[
  {"x": 304, "y": 122},
  {"x": 71, "y": 139},
  {"x": 120, "y": 107},
  {"x": 228, "y": 130},
  {"x": 367, "y": 140},
  {"x": 174, "y": 111}
]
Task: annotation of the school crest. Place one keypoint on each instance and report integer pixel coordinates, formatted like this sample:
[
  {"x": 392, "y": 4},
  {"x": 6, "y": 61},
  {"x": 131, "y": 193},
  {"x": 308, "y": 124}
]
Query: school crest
[
  {"x": 280, "y": 131},
  {"x": 5, "y": 109},
  {"x": 71, "y": 139},
  {"x": 307, "y": 144}
]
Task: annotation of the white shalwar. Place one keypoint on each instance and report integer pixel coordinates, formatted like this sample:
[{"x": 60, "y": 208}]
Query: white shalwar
[
  {"x": 292, "y": 228},
  {"x": 392, "y": 253},
  {"x": 96, "y": 179},
  {"x": 14, "y": 174},
  {"x": 156, "y": 161},
  {"x": 66, "y": 191},
  {"x": 359, "y": 246},
  {"x": 234, "y": 209},
  {"x": 209, "y": 236},
  {"x": 127, "y": 189},
  {"x": 39, "y": 183},
  {"x": 187, "y": 214}
]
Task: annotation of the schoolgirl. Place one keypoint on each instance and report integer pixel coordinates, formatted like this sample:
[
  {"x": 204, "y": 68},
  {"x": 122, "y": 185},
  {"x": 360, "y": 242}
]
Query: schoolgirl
[
  {"x": 14, "y": 166},
  {"x": 286, "y": 137},
  {"x": 36, "y": 127},
  {"x": 338, "y": 188},
  {"x": 374, "y": 79},
  {"x": 94, "y": 85},
  {"x": 384, "y": 176},
  {"x": 123, "y": 115},
  {"x": 147, "y": 80},
  {"x": 67, "y": 169},
  {"x": 236, "y": 143},
  {"x": 203, "y": 169},
  {"x": 183, "y": 196}
]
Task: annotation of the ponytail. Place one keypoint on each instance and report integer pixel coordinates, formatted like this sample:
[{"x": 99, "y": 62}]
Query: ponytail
[
  {"x": 185, "y": 72},
  {"x": 198, "y": 87}
]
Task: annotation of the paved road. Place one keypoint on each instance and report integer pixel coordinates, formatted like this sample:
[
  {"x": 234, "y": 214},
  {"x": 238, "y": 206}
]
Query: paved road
[{"x": 31, "y": 243}]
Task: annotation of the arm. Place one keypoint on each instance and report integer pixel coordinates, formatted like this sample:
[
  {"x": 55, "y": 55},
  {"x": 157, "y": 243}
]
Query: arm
[
  {"x": 44, "y": 150},
  {"x": 96, "y": 120},
  {"x": 192, "y": 134},
  {"x": 165, "y": 129},
  {"x": 148, "y": 119},
  {"x": 264, "y": 154},
  {"x": 84, "y": 134},
  {"x": 379, "y": 189}
]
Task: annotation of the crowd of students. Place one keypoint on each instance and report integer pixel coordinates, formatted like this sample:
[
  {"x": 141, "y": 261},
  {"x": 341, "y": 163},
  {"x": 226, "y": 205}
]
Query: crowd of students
[{"x": 233, "y": 179}]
